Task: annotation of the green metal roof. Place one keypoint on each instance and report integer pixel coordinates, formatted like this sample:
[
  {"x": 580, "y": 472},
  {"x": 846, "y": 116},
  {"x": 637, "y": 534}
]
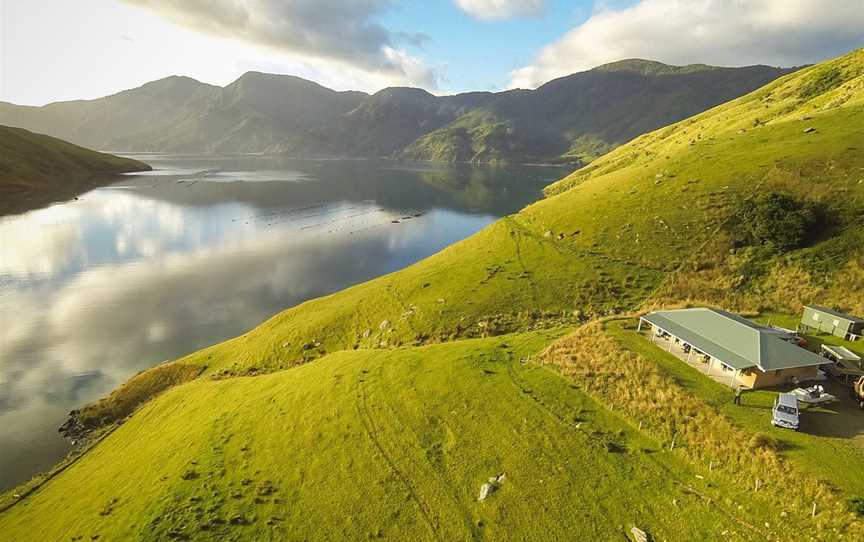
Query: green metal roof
[
  {"x": 837, "y": 314},
  {"x": 732, "y": 339}
]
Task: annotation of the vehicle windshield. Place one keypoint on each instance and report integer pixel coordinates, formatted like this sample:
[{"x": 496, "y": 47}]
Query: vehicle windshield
[{"x": 787, "y": 409}]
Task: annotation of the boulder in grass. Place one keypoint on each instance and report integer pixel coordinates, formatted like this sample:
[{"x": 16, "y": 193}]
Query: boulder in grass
[
  {"x": 491, "y": 486},
  {"x": 639, "y": 535}
]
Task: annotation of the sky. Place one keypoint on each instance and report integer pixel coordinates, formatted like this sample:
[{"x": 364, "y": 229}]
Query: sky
[{"x": 54, "y": 50}]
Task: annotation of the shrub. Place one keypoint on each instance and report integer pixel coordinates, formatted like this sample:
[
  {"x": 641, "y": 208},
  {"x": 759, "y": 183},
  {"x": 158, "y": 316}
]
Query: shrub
[
  {"x": 823, "y": 81},
  {"x": 856, "y": 505},
  {"x": 777, "y": 221}
]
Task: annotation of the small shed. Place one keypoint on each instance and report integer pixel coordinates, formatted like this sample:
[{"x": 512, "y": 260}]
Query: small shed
[
  {"x": 840, "y": 353},
  {"x": 834, "y": 322}
]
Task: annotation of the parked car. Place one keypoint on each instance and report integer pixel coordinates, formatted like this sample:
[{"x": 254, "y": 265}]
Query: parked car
[{"x": 785, "y": 412}]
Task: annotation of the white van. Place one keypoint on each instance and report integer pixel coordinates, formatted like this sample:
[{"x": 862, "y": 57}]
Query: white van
[{"x": 785, "y": 412}]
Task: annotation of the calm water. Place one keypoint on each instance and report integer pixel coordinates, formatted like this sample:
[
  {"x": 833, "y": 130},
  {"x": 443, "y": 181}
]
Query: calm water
[{"x": 204, "y": 248}]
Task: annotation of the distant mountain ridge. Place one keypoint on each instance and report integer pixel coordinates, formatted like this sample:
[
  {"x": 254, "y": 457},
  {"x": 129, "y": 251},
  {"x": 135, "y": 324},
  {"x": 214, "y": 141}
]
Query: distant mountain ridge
[{"x": 574, "y": 118}]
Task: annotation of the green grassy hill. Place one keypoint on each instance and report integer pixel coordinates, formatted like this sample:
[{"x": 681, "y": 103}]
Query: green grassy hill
[
  {"x": 398, "y": 449},
  {"x": 37, "y": 168},
  {"x": 652, "y": 223}
]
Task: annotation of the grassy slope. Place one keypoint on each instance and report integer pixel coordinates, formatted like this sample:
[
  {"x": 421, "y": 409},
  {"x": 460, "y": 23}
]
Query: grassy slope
[
  {"x": 39, "y": 166},
  {"x": 612, "y": 234},
  {"x": 398, "y": 450},
  {"x": 613, "y": 238}
]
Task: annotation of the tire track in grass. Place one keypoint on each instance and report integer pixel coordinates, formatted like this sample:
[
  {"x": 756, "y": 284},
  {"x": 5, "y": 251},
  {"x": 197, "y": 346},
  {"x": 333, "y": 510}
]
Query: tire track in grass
[
  {"x": 445, "y": 488},
  {"x": 676, "y": 479},
  {"x": 373, "y": 432},
  {"x": 562, "y": 447}
]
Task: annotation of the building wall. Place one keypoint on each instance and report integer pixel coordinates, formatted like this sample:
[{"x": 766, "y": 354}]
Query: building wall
[
  {"x": 826, "y": 323},
  {"x": 755, "y": 378}
]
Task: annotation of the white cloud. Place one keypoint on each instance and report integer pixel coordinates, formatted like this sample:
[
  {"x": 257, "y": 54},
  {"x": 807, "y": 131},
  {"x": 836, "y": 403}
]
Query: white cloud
[
  {"x": 721, "y": 32},
  {"x": 51, "y": 50},
  {"x": 490, "y": 10},
  {"x": 333, "y": 31}
]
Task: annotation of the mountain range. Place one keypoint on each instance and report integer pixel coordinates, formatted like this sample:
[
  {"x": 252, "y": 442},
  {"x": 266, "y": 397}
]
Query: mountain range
[{"x": 571, "y": 119}]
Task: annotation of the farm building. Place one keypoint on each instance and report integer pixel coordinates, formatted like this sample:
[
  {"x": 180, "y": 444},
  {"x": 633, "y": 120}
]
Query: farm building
[
  {"x": 731, "y": 348},
  {"x": 840, "y": 353},
  {"x": 847, "y": 364},
  {"x": 834, "y": 322}
]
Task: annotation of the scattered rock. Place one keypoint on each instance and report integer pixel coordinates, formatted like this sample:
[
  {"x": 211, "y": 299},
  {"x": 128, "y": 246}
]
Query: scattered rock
[
  {"x": 491, "y": 486},
  {"x": 238, "y": 520},
  {"x": 384, "y": 324},
  {"x": 367, "y": 333},
  {"x": 639, "y": 535},
  {"x": 809, "y": 130}
]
